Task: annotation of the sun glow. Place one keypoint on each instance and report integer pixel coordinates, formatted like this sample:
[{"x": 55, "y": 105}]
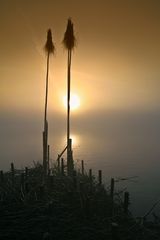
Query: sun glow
[
  {"x": 74, "y": 101},
  {"x": 75, "y": 140}
]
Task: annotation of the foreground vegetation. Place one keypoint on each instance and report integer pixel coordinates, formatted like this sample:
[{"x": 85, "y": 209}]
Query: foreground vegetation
[{"x": 57, "y": 206}]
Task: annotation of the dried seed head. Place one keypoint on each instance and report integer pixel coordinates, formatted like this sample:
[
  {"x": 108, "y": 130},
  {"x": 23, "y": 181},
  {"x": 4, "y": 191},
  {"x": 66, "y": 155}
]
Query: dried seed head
[
  {"x": 49, "y": 46},
  {"x": 69, "y": 38}
]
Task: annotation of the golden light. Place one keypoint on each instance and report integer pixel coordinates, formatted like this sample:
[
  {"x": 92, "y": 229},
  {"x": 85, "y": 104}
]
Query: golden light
[
  {"x": 75, "y": 140},
  {"x": 74, "y": 101}
]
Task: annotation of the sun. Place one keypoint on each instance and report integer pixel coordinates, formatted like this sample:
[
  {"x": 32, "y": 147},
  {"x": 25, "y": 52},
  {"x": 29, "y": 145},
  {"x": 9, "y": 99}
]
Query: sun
[{"x": 74, "y": 102}]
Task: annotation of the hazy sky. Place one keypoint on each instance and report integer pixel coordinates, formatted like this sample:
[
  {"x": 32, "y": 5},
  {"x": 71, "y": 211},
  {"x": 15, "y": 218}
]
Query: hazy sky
[
  {"x": 115, "y": 72},
  {"x": 117, "y": 56}
]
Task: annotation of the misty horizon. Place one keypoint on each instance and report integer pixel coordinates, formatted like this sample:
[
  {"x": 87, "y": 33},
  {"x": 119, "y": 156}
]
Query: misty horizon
[{"x": 115, "y": 74}]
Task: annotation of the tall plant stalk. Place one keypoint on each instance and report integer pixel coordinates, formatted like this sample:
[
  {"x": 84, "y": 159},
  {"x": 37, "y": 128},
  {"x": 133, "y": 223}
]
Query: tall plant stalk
[
  {"x": 69, "y": 44},
  {"x": 49, "y": 48}
]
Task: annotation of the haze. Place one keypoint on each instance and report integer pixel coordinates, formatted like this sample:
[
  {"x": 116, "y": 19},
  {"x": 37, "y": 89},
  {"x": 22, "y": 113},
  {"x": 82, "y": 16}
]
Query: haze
[{"x": 115, "y": 72}]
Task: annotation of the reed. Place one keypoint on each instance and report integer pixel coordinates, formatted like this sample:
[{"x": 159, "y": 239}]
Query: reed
[{"x": 63, "y": 206}]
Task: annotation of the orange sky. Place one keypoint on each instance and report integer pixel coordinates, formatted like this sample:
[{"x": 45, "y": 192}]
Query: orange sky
[{"x": 115, "y": 65}]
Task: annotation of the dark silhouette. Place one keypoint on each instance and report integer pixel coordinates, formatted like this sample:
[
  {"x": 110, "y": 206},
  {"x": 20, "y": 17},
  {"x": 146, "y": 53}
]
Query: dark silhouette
[
  {"x": 49, "y": 48},
  {"x": 68, "y": 207},
  {"x": 69, "y": 43}
]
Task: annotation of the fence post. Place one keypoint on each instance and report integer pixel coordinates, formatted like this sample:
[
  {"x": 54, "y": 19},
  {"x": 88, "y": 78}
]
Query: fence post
[
  {"x": 100, "y": 177},
  {"x": 48, "y": 163},
  {"x": 12, "y": 173},
  {"x": 82, "y": 167},
  {"x": 90, "y": 175},
  {"x": 112, "y": 195},
  {"x": 70, "y": 163},
  {"x": 58, "y": 163},
  {"x": 1, "y": 176},
  {"x": 126, "y": 202},
  {"x": 112, "y": 189},
  {"x": 62, "y": 166}
]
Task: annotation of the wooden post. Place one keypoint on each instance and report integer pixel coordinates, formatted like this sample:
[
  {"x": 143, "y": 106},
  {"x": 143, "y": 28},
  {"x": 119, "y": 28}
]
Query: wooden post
[
  {"x": 58, "y": 162},
  {"x": 112, "y": 189},
  {"x": 45, "y": 148},
  {"x": 112, "y": 195},
  {"x": 100, "y": 177},
  {"x": 48, "y": 163},
  {"x": 90, "y": 179},
  {"x": 12, "y": 173},
  {"x": 126, "y": 202},
  {"x": 62, "y": 166},
  {"x": 70, "y": 165},
  {"x": 1, "y": 177},
  {"x": 82, "y": 165},
  {"x": 46, "y": 160},
  {"x": 90, "y": 175}
]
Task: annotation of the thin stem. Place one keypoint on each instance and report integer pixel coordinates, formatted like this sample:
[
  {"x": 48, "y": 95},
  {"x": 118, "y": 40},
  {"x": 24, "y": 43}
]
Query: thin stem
[
  {"x": 46, "y": 97},
  {"x": 68, "y": 95},
  {"x": 68, "y": 107},
  {"x": 45, "y": 132}
]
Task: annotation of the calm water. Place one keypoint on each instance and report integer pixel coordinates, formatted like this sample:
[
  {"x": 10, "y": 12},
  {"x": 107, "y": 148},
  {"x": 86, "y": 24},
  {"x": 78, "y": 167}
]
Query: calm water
[
  {"x": 126, "y": 158},
  {"x": 123, "y": 145}
]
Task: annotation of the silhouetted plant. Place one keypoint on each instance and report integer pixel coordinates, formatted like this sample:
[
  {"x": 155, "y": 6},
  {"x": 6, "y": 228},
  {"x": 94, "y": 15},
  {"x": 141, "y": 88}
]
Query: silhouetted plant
[
  {"x": 49, "y": 48},
  {"x": 69, "y": 43}
]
